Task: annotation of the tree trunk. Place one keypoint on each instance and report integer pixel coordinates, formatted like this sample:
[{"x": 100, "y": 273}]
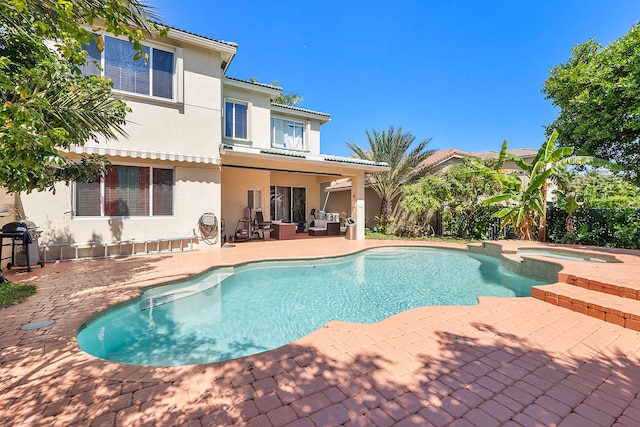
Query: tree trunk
[
  {"x": 570, "y": 230},
  {"x": 386, "y": 208},
  {"x": 542, "y": 227},
  {"x": 523, "y": 231}
]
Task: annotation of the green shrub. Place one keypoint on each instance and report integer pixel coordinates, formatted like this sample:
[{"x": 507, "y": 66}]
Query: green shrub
[{"x": 614, "y": 228}]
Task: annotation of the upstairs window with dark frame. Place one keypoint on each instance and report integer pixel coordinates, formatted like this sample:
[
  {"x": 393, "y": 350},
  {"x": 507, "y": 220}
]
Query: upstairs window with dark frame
[
  {"x": 127, "y": 191},
  {"x": 155, "y": 78},
  {"x": 235, "y": 123}
]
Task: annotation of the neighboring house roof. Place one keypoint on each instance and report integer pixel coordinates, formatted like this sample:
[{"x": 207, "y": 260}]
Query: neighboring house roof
[
  {"x": 441, "y": 156},
  {"x": 523, "y": 153},
  {"x": 438, "y": 158}
]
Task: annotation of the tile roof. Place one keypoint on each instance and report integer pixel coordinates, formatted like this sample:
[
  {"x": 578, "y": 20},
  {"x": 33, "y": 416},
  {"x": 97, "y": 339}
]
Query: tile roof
[
  {"x": 520, "y": 152},
  {"x": 443, "y": 155},
  {"x": 303, "y": 110},
  {"x": 436, "y": 158},
  {"x": 320, "y": 158},
  {"x": 255, "y": 83},
  {"x": 232, "y": 44}
]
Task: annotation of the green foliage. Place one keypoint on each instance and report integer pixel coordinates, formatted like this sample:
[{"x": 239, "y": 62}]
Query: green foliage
[
  {"x": 596, "y": 91},
  {"x": 384, "y": 222},
  {"x": 405, "y": 163},
  {"x": 479, "y": 223},
  {"x": 373, "y": 235},
  {"x": 11, "y": 293},
  {"x": 524, "y": 200},
  {"x": 457, "y": 195},
  {"x": 616, "y": 228},
  {"x": 604, "y": 190},
  {"x": 45, "y": 104},
  {"x": 290, "y": 98}
]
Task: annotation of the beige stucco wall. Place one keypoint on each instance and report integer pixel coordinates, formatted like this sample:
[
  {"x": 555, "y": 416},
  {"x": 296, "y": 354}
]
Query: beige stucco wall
[
  {"x": 197, "y": 190},
  {"x": 258, "y": 116},
  {"x": 235, "y": 183},
  {"x": 313, "y": 141},
  {"x": 260, "y": 112},
  {"x": 191, "y": 126}
]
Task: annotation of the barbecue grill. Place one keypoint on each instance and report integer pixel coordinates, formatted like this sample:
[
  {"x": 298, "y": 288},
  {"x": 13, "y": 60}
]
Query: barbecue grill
[{"x": 23, "y": 241}]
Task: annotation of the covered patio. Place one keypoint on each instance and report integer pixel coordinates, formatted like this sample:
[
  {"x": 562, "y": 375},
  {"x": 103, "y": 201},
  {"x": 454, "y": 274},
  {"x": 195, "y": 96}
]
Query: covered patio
[{"x": 286, "y": 186}]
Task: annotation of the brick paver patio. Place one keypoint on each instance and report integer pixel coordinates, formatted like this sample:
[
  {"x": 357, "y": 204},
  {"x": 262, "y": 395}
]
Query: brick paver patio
[{"x": 502, "y": 362}]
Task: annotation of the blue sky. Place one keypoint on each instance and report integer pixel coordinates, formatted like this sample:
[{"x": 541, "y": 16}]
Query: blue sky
[{"x": 466, "y": 73}]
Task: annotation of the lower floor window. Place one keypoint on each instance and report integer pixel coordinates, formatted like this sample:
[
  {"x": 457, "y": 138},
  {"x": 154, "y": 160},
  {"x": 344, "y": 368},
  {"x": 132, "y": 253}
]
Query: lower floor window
[{"x": 127, "y": 191}]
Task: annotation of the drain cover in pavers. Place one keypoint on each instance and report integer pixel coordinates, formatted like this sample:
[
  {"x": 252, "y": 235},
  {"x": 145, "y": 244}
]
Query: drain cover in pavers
[{"x": 37, "y": 325}]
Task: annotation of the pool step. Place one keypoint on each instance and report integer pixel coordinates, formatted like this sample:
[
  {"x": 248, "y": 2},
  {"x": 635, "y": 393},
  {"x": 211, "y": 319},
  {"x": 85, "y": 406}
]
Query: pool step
[
  {"x": 164, "y": 295},
  {"x": 606, "y": 302}
]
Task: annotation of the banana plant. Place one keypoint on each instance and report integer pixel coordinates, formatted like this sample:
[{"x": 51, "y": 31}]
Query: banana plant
[{"x": 524, "y": 196}]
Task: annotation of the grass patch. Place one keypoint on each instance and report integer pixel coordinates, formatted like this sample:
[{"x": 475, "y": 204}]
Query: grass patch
[
  {"x": 374, "y": 235},
  {"x": 11, "y": 293}
]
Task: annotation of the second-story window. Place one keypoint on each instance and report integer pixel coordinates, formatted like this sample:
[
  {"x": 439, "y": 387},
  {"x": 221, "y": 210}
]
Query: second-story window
[
  {"x": 155, "y": 78},
  {"x": 287, "y": 134},
  {"x": 235, "y": 120}
]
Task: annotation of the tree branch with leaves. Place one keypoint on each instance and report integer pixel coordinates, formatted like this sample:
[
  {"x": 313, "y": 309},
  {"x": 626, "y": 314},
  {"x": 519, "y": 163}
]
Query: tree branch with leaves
[{"x": 46, "y": 104}]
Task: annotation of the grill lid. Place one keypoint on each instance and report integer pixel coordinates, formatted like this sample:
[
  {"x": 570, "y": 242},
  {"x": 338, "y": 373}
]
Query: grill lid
[{"x": 15, "y": 227}]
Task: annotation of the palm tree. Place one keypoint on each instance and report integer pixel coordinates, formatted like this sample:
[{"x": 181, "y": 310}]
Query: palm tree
[
  {"x": 291, "y": 99},
  {"x": 394, "y": 148},
  {"x": 527, "y": 198}
]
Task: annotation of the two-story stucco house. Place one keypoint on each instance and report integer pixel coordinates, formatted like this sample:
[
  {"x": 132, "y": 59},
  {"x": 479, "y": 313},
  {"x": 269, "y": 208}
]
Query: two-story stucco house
[{"x": 198, "y": 142}]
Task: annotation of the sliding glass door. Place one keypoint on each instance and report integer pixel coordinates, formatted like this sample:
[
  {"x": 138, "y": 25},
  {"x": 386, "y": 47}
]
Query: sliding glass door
[{"x": 288, "y": 204}]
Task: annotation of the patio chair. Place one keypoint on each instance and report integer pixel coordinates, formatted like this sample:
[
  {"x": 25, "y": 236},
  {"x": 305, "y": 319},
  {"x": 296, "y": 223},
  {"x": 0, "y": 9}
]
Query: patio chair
[{"x": 261, "y": 228}]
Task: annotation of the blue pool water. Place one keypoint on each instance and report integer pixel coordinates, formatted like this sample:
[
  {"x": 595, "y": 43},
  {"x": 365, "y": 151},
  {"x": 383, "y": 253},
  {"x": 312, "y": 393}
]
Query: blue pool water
[{"x": 233, "y": 312}]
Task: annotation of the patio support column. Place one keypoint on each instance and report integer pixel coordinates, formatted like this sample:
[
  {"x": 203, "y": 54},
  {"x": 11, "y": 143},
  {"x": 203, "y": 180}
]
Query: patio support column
[{"x": 357, "y": 204}]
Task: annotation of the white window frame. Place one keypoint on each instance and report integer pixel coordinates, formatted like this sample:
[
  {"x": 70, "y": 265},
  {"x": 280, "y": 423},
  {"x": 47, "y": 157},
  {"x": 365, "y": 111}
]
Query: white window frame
[
  {"x": 302, "y": 124},
  {"x": 233, "y": 120},
  {"x": 256, "y": 203},
  {"x": 176, "y": 82},
  {"x": 102, "y": 197}
]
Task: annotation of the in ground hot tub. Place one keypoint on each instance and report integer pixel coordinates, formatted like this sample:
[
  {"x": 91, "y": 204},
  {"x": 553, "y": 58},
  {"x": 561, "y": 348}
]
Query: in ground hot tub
[{"x": 567, "y": 255}]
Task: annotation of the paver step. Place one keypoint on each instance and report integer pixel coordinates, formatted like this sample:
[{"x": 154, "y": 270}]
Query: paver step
[
  {"x": 594, "y": 285},
  {"x": 613, "y": 308}
]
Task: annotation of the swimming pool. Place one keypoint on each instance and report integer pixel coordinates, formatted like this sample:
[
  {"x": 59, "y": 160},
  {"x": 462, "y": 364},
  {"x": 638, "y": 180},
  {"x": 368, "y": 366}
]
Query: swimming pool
[{"x": 233, "y": 312}]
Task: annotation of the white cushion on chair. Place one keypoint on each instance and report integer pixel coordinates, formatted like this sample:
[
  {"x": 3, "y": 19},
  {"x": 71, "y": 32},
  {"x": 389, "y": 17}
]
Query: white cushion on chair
[{"x": 320, "y": 223}]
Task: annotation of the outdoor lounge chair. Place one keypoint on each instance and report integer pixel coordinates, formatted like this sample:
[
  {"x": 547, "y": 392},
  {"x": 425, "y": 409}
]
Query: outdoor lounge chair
[
  {"x": 319, "y": 228},
  {"x": 261, "y": 228}
]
